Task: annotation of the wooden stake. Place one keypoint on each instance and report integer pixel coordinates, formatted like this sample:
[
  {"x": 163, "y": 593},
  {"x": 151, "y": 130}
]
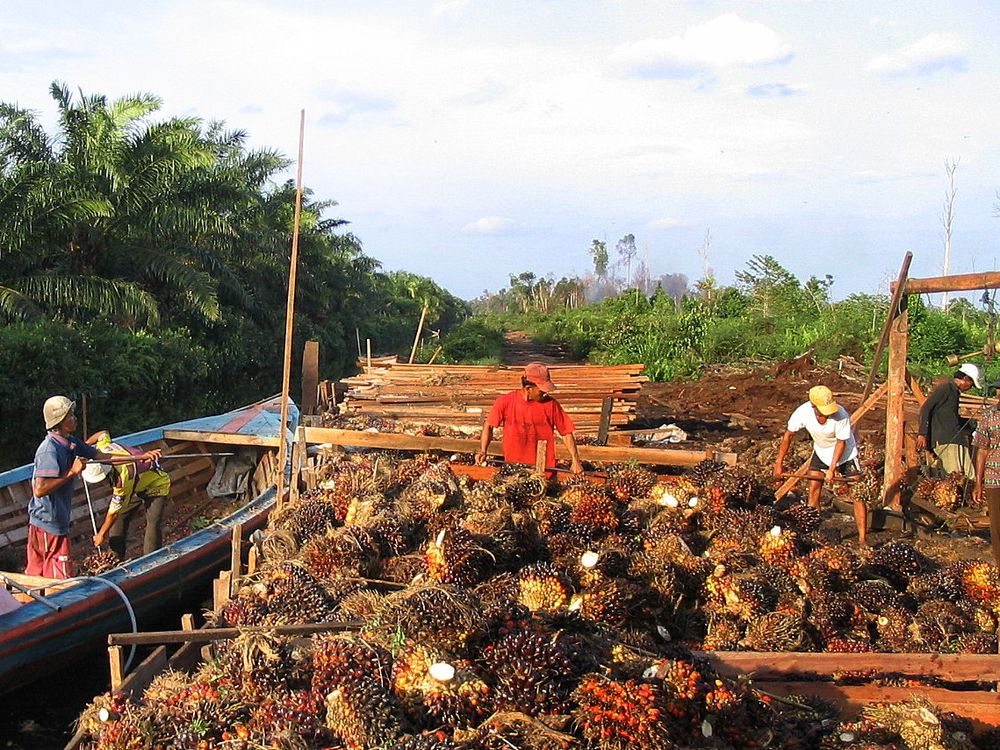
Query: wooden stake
[
  {"x": 236, "y": 559},
  {"x": 368, "y": 347},
  {"x": 86, "y": 431},
  {"x": 416, "y": 339},
  {"x": 897, "y": 292},
  {"x": 357, "y": 334},
  {"x": 116, "y": 666},
  {"x": 898, "y": 341},
  {"x": 435, "y": 355},
  {"x": 605, "y": 423},
  {"x": 540, "y": 450},
  {"x": 286, "y": 374}
]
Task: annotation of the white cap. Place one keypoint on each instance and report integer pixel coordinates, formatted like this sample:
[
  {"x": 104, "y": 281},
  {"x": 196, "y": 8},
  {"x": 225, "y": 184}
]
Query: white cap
[
  {"x": 55, "y": 410},
  {"x": 972, "y": 371},
  {"x": 94, "y": 472}
]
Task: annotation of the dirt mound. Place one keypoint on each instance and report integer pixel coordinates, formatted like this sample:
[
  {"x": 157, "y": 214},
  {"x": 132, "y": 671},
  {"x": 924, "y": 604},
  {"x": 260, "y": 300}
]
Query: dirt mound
[{"x": 728, "y": 402}]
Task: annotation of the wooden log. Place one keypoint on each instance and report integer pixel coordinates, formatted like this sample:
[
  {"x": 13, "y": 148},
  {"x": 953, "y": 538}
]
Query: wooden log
[
  {"x": 981, "y": 707},
  {"x": 206, "y": 635},
  {"x": 416, "y": 338},
  {"x": 950, "y": 667},
  {"x": 965, "y": 282},
  {"x": 605, "y": 423},
  {"x": 116, "y": 666},
  {"x": 398, "y": 441},
  {"x": 236, "y": 559},
  {"x": 894, "y": 416},
  {"x": 217, "y": 438}
]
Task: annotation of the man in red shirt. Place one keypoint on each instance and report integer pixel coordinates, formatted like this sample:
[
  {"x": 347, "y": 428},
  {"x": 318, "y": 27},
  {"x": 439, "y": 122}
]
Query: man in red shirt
[{"x": 528, "y": 415}]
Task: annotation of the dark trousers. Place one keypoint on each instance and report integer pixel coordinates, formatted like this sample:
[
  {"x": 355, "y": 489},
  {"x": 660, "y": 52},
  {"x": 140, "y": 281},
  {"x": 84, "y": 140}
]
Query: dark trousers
[
  {"x": 154, "y": 537},
  {"x": 992, "y": 496}
]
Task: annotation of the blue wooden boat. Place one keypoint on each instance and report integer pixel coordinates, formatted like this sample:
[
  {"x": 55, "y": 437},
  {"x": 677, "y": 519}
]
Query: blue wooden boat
[{"x": 76, "y": 617}]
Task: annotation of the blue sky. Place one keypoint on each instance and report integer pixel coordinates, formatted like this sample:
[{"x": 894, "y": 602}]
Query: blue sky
[{"x": 467, "y": 140}]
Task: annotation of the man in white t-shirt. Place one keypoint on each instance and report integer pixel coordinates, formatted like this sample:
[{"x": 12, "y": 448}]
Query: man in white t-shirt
[{"x": 835, "y": 449}]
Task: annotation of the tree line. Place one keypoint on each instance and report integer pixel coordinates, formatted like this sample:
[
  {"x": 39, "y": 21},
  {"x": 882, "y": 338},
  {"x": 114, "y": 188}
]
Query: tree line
[{"x": 144, "y": 263}]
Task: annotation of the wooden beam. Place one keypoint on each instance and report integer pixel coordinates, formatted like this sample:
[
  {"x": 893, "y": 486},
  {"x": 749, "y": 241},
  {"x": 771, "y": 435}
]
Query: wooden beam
[
  {"x": 310, "y": 377},
  {"x": 965, "y": 282},
  {"x": 206, "y": 635},
  {"x": 416, "y": 338},
  {"x": 898, "y": 342},
  {"x": 541, "y": 448},
  {"x": 770, "y": 666},
  {"x": 897, "y": 292},
  {"x": 399, "y": 441},
  {"x": 235, "y": 559},
  {"x": 221, "y": 438},
  {"x": 605, "y": 423},
  {"x": 116, "y": 666}
]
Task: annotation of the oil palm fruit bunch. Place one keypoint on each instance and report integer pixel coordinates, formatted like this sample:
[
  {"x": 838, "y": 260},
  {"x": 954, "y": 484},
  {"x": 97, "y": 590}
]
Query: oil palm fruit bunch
[
  {"x": 99, "y": 561},
  {"x": 532, "y": 672},
  {"x": 592, "y": 510},
  {"x": 286, "y": 718},
  {"x": 620, "y": 714},
  {"x": 747, "y": 595},
  {"x": 980, "y": 582},
  {"x": 830, "y": 613},
  {"x": 800, "y": 517},
  {"x": 675, "y": 492},
  {"x": 867, "y": 488},
  {"x": 454, "y": 557},
  {"x": 347, "y": 552},
  {"x": 429, "y": 493},
  {"x": 937, "y": 622},
  {"x": 521, "y": 487},
  {"x": 363, "y": 713},
  {"x": 428, "y": 741},
  {"x": 446, "y": 617},
  {"x": 945, "y": 493},
  {"x": 438, "y": 689},
  {"x": 338, "y": 660},
  {"x": 897, "y": 562},
  {"x": 609, "y": 602},
  {"x": 723, "y": 632},
  {"x": 312, "y": 516},
  {"x": 939, "y": 584},
  {"x": 779, "y": 547},
  {"x": 247, "y": 608},
  {"x": 775, "y": 631},
  {"x": 917, "y": 722},
  {"x": 541, "y": 586},
  {"x": 627, "y": 481},
  {"x": 257, "y": 663},
  {"x": 294, "y": 595},
  {"x": 875, "y": 596},
  {"x": 893, "y": 628},
  {"x": 706, "y": 470},
  {"x": 741, "y": 489}
]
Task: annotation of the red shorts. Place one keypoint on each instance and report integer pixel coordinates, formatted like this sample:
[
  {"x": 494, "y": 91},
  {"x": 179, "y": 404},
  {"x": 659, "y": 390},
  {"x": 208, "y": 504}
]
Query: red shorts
[{"x": 48, "y": 554}]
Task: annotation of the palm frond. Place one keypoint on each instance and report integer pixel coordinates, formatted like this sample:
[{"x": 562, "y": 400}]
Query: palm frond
[
  {"x": 197, "y": 289},
  {"x": 70, "y": 295},
  {"x": 14, "y": 305}
]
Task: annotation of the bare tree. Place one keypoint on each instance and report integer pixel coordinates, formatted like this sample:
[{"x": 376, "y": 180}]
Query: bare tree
[
  {"x": 706, "y": 245},
  {"x": 950, "y": 166}
]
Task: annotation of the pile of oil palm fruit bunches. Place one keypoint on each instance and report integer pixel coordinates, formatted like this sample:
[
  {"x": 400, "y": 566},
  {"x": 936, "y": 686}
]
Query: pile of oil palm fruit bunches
[{"x": 519, "y": 613}]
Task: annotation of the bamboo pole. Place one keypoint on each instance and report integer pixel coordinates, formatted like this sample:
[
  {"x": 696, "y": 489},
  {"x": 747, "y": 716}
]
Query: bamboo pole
[
  {"x": 416, "y": 339},
  {"x": 286, "y": 374}
]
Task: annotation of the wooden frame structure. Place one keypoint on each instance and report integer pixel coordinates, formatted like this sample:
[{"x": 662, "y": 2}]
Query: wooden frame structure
[{"x": 898, "y": 326}]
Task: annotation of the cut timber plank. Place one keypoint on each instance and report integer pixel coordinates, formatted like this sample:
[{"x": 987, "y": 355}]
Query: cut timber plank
[
  {"x": 222, "y": 438},
  {"x": 398, "y": 441},
  {"x": 951, "y": 667}
]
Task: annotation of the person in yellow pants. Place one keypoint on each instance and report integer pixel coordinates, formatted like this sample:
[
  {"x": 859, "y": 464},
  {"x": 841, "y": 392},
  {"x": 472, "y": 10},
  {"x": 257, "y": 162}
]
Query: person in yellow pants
[{"x": 134, "y": 484}]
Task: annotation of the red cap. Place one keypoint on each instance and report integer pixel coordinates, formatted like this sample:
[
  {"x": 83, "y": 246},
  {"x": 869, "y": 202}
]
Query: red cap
[{"x": 538, "y": 374}]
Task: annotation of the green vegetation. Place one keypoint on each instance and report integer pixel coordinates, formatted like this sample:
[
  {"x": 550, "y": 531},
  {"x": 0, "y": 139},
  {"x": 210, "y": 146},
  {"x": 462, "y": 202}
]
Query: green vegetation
[
  {"x": 768, "y": 314},
  {"x": 144, "y": 262}
]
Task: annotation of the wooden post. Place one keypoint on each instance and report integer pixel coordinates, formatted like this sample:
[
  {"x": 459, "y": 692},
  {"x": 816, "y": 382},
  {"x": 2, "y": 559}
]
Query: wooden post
[
  {"x": 416, "y": 339},
  {"x": 898, "y": 338},
  {"x": 116, "y": 666},
  {"x": 540, "y": 454},
  {"x": 897, "y": 293},
  {"x": 368, "y": 347},
  {"x": 86, "y": 430},
  {"x": 605, "y": 423},
  {"x": 435, "y": 355},
  {"x": 310, "y": 377},
  {"x": 236, "y": 558},
  {"x": 286, "y": 374},
  {"x": 357, "y": 334},
  {"x": 298, "y": 458},
  {"x": 187, "y": 622}
]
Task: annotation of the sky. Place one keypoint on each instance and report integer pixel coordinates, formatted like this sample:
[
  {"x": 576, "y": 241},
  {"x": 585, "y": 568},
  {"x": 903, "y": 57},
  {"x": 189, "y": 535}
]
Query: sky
[{"x": 467, "y": 140}]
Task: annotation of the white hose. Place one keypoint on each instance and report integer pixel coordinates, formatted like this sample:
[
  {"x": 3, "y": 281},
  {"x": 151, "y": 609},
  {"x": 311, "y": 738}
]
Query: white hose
[{"x": 121, "y": 594}]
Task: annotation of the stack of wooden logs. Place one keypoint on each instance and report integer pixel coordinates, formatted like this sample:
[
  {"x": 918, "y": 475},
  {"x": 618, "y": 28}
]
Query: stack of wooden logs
[{"x": 462, "y": 394}]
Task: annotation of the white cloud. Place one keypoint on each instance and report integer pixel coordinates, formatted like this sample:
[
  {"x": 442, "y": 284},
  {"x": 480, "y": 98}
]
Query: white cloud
[
  {"x": 932, "y": 53},
  {"x": 722, "y": 42},
  {"x": 446, "y": 6},
  {"x": 491, "y": 225},
  {"x": 670, "y": 223}
]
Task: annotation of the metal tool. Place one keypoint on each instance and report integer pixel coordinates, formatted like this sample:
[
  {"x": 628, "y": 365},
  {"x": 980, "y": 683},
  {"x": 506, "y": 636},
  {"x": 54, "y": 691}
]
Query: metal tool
[
  {"x": 785, "y": 474},
  {"x": 37, "y": 597},
  {"x": 987, "y": 351},
  {"x": 90, "y": 505}
]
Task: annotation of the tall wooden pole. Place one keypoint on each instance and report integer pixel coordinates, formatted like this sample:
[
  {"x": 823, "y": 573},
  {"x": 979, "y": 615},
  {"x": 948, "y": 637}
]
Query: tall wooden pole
[
  {"x": 899, "y": 333},
  {"x": 898, "y": 290},
  {"x": 286, "y": 374},
  {"x": 416, "y": 339}
]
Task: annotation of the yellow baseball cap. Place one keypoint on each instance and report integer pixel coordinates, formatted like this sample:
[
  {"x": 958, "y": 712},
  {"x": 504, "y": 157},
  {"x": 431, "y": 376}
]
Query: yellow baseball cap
[{"x": 822, "y": 398}]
